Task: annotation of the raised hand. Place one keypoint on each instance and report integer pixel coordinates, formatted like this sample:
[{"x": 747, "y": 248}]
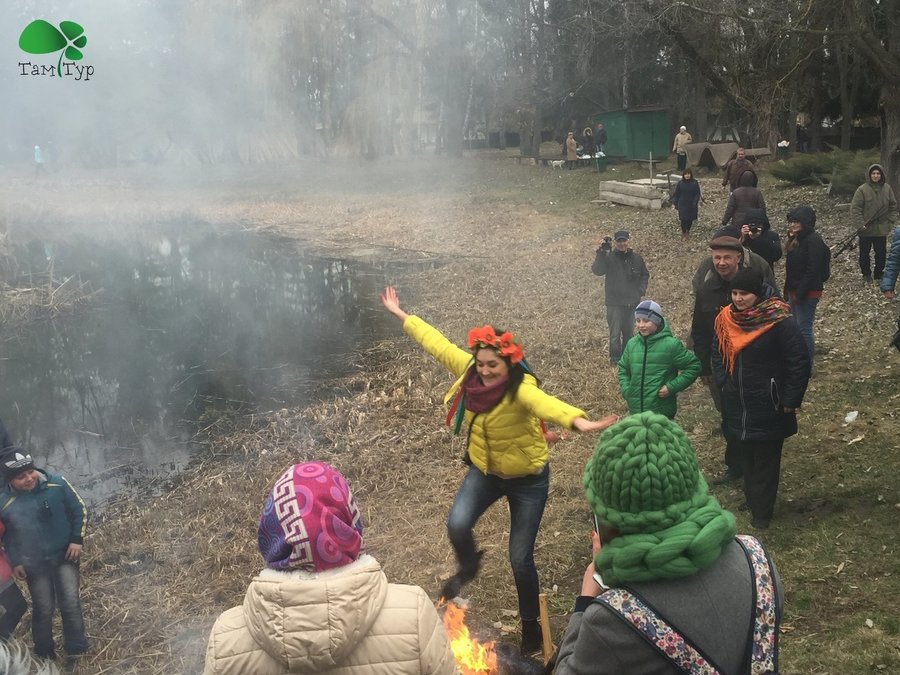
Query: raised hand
[{"x": 392, "y": 303}]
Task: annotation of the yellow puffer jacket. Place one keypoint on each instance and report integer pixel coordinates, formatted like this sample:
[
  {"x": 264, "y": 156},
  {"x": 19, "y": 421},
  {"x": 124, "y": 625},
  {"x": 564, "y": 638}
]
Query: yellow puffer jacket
[
  {"x": 342, "y": 622},
  {"x": 507, "y": 441}
]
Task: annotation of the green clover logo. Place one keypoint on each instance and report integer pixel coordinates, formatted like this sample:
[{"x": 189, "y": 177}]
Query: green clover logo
[{"x": 42, "y": 37}]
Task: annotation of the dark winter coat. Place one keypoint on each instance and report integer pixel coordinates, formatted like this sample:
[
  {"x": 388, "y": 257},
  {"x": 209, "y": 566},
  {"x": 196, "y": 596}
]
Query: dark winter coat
[
  {"x": 711, "y": 293},
  {"x": 734, "y": 170},
  {"x": 807, "y": 266},
  {"x": 769, "y": 374},
  {"x": 648, "y": 363},
  {"x": 767, "y": 245},
  {"x": 626, "y": 276},
  {"x": 42, "y": 523},
  {"x": 745, "y": 197},
  {"x": 686, "y": 199}
]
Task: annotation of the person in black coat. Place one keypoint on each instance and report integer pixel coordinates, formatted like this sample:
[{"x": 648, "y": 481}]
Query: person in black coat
[
  {"x": 762, "y": 368},
  {"x": 627, "y": 277},
  {"x": 686, "y": 200},
  {"x": 807, "y": 268},
  {"x": 756, "y": 233}
]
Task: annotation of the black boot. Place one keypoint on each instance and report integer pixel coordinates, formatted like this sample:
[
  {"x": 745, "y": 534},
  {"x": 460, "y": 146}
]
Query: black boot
[
  {"x": 532, "y": 638},
  {"x": 464, "y": 575}
]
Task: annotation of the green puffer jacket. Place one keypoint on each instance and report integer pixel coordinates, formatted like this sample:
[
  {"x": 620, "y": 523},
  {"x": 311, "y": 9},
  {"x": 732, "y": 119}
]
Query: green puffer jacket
[
  {"x": 650, "y": 362},
  {"x": 874, "y": 206}
]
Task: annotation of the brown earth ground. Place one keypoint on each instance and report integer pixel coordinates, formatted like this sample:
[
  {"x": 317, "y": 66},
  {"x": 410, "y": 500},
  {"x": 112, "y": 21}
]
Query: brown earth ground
[{"x": 512, "y": 245}]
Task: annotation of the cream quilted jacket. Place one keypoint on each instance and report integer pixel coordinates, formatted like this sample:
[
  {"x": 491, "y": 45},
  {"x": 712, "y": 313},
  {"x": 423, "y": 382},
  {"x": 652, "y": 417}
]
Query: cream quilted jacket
[
  {"x": 506, "y": 441},
  {"x": 344, "y": 621}
]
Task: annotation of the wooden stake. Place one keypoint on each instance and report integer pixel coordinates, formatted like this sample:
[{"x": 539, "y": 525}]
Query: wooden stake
[{"x": 545, "y": 627}]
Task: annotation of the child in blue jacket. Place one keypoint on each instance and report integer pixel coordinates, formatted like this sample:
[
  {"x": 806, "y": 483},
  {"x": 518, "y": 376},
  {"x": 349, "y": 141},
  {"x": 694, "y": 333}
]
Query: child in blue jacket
[
  {"x": 655, "y": 365},
  {"x": 45, "y": 520}
]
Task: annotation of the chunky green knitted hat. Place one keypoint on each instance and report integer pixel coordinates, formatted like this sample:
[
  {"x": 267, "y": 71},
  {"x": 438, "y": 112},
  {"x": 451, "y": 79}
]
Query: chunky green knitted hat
[{"x": 643, "y": 481}]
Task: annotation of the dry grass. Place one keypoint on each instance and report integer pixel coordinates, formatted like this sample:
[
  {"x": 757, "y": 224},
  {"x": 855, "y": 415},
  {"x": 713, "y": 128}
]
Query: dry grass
[{"x": 514, "y": 247}]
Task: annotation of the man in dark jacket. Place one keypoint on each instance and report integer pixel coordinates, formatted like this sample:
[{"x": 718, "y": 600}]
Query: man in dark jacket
[
  {"x": 626, "y": 282},
  {"x": 712, "y": 291},
  {"x": 735, "y": 169}
]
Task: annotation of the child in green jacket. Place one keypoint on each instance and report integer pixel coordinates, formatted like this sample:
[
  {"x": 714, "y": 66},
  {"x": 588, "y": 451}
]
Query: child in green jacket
[{"x": 655, "y": 365}]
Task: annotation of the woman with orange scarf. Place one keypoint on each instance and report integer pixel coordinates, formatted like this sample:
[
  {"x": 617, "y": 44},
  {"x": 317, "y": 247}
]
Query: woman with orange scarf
[{"x": 761, "y": 365}]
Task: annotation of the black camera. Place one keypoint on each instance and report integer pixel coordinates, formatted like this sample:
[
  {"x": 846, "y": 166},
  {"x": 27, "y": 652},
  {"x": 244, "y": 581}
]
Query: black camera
[
  {"x": 755, "y": 229},
  {"x": 607, "y": 239}
]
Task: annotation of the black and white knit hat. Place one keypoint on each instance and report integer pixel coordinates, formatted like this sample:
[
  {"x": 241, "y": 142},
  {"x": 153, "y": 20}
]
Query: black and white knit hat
[{"x": 14, "y": 461}]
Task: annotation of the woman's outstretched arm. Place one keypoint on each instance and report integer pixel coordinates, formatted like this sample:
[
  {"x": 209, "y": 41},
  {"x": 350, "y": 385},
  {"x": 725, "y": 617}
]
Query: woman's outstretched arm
[{"x": 586, "y": 426}]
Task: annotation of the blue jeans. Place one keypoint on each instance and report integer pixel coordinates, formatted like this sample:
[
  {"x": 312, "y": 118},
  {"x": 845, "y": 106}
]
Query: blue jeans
[
  {"x": 620, "y": 319},
  {"x": 527, "y": 497},
  {"x": 804, "y": 312},
  {"x": 55, "y": 582}
]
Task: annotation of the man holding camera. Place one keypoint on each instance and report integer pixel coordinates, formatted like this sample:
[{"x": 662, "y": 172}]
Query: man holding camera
[{"x": 627, "y": 277}]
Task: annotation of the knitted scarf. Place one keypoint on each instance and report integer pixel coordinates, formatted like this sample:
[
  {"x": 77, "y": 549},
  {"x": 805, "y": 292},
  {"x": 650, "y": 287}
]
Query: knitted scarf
[
  {"x": 473, "y": 395},
  {"x": 643, "y": 481},
  {"x": 735, "y": 329}
]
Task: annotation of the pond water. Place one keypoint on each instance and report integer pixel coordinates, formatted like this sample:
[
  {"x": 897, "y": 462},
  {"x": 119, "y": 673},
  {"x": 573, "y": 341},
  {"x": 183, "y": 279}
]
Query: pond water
[{"x": 185, "y": 324}]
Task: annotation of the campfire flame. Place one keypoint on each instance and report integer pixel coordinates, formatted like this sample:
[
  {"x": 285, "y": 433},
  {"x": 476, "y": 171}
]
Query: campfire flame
[{"x": 472, "y": 657}]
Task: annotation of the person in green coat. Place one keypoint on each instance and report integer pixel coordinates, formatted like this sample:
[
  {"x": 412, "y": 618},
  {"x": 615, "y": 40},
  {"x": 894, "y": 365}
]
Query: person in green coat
[
  {"x": 874, "y": 208},
  {"x": 655, "y": 365}
]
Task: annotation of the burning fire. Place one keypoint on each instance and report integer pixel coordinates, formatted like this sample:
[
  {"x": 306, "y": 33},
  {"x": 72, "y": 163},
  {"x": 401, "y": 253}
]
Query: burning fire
[{"x": 472, "y": 657}]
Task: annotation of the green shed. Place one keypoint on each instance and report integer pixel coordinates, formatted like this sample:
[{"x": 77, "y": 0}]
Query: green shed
[{"x": 636, "y": 132}]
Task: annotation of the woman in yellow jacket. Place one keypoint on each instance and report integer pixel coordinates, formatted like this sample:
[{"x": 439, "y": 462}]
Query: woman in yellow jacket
[{"x": 500, "y": 400}]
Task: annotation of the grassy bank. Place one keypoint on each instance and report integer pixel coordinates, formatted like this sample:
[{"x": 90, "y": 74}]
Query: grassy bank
[{"x": 511, "y": 245}]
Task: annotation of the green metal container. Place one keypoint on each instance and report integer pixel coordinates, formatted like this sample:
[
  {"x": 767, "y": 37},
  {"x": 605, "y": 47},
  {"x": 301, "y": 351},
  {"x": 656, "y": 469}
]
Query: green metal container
[{"x": 636, "y": 133}]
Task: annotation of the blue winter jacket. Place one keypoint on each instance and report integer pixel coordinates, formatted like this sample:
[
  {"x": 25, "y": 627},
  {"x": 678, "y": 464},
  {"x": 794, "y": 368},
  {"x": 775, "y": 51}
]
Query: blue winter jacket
[
  {"x": 892, "y": 266},
  {"x": 42, "y": 523}
]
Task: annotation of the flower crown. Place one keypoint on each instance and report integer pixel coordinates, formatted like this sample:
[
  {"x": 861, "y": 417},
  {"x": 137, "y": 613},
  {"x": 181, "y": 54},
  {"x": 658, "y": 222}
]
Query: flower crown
[{"x": 505, "y": 344}]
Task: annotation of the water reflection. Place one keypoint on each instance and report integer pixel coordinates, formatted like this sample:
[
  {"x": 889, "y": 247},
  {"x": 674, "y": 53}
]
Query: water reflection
[{"x": 185, "y": 324}]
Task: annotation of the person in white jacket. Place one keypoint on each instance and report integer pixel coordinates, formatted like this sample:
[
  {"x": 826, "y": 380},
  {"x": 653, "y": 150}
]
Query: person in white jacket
[{"x": 322, "y": 605}]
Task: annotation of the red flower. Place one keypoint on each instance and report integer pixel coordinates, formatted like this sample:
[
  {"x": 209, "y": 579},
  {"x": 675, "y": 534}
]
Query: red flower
[
  {"x": 482, "y": 337},
  {"x": 506, "y": 345}
]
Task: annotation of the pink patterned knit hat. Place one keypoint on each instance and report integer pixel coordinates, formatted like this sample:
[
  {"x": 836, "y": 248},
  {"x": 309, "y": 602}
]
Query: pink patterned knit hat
[{"x": 310, "y": 521}]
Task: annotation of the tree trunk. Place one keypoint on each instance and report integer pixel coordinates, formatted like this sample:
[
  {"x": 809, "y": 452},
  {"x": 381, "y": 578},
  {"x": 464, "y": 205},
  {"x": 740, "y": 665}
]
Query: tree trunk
[
  {"x": 890, "y": 133},
  {"x": 843, "y": 63},
  {"x": 700, "y": 122}
]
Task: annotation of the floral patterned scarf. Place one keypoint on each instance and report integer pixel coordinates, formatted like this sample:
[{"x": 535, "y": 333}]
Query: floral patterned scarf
[{"x": 735, "y": 329}]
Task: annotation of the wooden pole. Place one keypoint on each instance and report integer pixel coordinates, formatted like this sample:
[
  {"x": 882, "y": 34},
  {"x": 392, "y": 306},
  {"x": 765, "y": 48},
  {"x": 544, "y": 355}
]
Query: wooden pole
[{"x": 545, "y": 627}]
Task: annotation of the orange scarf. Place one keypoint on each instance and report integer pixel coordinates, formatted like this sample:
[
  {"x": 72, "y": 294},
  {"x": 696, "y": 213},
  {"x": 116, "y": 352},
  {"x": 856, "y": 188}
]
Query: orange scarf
[{"x": 734, "y": 334}]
